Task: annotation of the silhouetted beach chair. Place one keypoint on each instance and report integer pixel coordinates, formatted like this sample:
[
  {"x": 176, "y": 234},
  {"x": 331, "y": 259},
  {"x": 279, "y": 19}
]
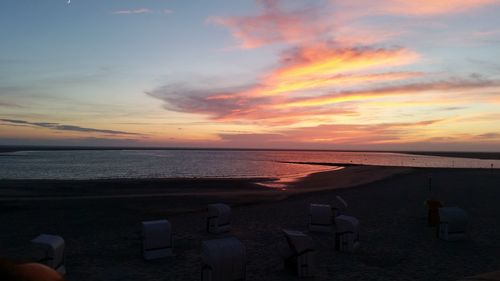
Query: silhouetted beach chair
[
  {"x": 339, "y": 206},
  {"x": 433, "y": 211},
  {"x": 49, "y": 250},
  {"x": 320, "y": 218},
  {"x": 223, "y": 260},
  {"x": 346, "y": 233},
  {"x": 300, "y": 258},
  {"x": 452, "y": 224},
  {"x": 219, "y": 218},
  {"x": 156, "y": 239}
]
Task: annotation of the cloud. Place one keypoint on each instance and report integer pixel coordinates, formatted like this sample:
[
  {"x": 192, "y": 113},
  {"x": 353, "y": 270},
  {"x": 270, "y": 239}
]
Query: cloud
[
  {"x": 330, "y": 135},
  {"x": 452, "y": 108},
  {"x": 274, "y": 24},
  {"x": 360, "y": 133},
  {"x": 104, "y": 142},
  {"x": 142, "y": 11},
  {"x": 339, "y": 65},
  {"x": 322, "y": 65},
  {"x": 229, "y": 104},
  {"x": 479, "y": 117},
  {"x": 131, "y": 12},
  {"x": 62, "y": 127},
  {"x": 452, "y": 85},
  {"x": 182, "y": 98},
  {"x": 8, "y": 104},
  {"x": 315, "y": 69},
  {"x": 318, "y": 82},
  {"x": 426, "y": 7},
  {"x": 489, "y": 136},
  {"x": 320, "y": 62}
]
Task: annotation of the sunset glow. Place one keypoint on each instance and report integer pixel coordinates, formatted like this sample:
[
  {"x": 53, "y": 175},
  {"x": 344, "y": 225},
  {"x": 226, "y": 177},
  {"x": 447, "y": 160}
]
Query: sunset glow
[{"x": 321, "y": 74}]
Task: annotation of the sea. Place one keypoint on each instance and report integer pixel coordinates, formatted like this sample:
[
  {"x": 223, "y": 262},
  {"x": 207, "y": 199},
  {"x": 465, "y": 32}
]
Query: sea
[{"x": 145, "y": 164}]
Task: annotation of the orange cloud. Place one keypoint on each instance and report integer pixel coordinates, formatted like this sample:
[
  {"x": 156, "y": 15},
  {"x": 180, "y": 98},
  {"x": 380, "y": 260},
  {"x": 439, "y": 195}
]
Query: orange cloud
[
  {"x": 287, "y": 110},
  {"x": 287, "y": 86},
  {"x": 325, "y": 59},
  {"x": 325, "y": 65},
  {"x": 404, "y": 90},
  {"x": 315, "y": 68}
]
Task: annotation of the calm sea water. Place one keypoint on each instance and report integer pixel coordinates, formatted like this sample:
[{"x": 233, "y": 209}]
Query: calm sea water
[{"x": 98, "y": 164}]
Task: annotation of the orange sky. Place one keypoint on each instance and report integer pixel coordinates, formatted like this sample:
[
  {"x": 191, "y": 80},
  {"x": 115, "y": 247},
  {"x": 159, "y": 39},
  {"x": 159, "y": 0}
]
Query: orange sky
[{"x": 389, "y": 74}]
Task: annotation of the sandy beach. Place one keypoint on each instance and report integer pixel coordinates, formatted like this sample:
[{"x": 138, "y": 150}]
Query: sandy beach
[{"x": 100, "y": 222}]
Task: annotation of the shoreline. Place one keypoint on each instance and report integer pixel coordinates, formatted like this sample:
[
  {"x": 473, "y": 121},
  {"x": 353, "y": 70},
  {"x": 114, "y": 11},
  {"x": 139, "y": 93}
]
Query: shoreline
[
  {"x": 255, "y": 189},
  {"x": 492, "y": 155},
  {"x": 241, "y": 191},
  {"x": 190, "y": 195}
]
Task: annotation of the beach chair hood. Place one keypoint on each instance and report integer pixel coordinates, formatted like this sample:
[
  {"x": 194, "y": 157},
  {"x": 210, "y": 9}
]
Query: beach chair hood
[
  {"x": 156, "y": 234},
  {"x": 298, "y": 241},
  {"x": 455, "y": 217},
  {"x": 347, "y": 224},
  {"x": 224, "y": 259},
  {"x": 222, "y": 211}
]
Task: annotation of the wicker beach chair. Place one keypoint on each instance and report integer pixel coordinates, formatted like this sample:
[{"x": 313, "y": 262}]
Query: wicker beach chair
[
  {"x": 156, "y": 239},
  {"x": 49, "y": 250},
  {"x": 320, "y": 218},
  {"x": 452, "y": 224},
  {"x": 223, "y": 260},
  {"x": 346, "y": 233},
  {"x": 300, "y": 258},
  {"x": 219, "y": 218},
  {"x": 339, "y": 206}
]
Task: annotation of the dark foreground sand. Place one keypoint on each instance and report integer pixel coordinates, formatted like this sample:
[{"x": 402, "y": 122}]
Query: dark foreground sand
[{"x": 103, "y": 236}]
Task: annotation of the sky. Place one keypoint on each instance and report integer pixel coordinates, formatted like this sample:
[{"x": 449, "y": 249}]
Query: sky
[{"x": 324, "y": 74}]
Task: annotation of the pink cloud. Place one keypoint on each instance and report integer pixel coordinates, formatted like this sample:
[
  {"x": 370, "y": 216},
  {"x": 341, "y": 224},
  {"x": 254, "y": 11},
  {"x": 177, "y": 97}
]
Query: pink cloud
[
  {"x": 338, "y": 134},
  {"x": 431, "y": 7},
  {"x": 350, "y": 10},
  {"x": 333, "y": 20},
  {"x": 274, "y": 25}
]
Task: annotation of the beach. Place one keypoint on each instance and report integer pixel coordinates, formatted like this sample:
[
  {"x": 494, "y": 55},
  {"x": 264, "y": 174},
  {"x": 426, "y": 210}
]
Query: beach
[{"x": 100, "y": 221}]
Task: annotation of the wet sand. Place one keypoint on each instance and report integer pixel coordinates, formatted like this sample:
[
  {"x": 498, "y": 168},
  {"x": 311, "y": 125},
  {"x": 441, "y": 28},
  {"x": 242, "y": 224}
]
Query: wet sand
[{"x": 103, "y": 234}]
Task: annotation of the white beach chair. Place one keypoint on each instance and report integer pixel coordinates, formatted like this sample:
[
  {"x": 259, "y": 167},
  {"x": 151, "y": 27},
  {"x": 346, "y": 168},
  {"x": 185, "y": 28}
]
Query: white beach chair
[
  {"x": 223, "y": 260},
  {"x": 339, "y": 206},
  {"x": 156, "y": 239},
  {"x": 452, "y": 224},
  {"x": 320, "y": 218},
  {"x": 219, "y": 218},
  {"x": 49, "y": 250},
  {"x": 301, "y": 256},
  {"x": 346, "y": 233}
]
